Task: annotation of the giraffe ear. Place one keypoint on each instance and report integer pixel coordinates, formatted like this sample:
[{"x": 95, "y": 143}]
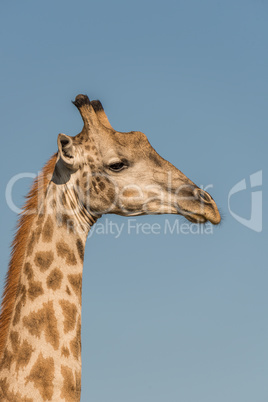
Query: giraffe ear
[{"x": 66, "y": 150}]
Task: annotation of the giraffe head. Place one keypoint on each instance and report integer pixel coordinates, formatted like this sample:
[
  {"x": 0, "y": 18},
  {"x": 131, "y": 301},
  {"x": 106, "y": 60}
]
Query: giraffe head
[{"x": 121, "y": 173}]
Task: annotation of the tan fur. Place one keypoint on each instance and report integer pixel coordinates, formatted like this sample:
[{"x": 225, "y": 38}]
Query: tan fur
[
  {"x": 42, "y": 375},
  {"x": 19, "y": 248},
  {"x": 42, "y": 296}
]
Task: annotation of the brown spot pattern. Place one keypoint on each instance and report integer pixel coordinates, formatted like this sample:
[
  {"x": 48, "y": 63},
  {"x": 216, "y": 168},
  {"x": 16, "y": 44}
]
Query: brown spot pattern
[
  {"x": 22, "y": 352},
  {"x": 65, "y": 221},
  {"x": 80, "y": 249},
  {"x": 76, "y": 283},
  {"x": 42, "y": 375},
  {"x": 69, "y": 312},
  {"x": 21, "y": 295},
  {"x": 71, "y": 385},
  {"x": 43, "y": 259},
  {"x": 28, "y": 270},
  {"x": 41, "y": 217},
  {"x": 63, "y": 199},
  {"x": 24, "y": 355},
  {"x": 95, "y": 186},
  {"x": 65, "y": 352},
  {"x": 47, "y": 233},
  {"x": 19, "y": 247},
  {"x": 65, "y": 252},
  {"x": 68, "y": 223},
  {"x": 31, "y": 244},
  {"x": 14, "y": 340},
  {"x": 75, "y": 344},
  {"x": 102, "y": 185},
  {"x": 9, "y": 396},
  {"x": 35, "y": 290},
  {"x": 6, "y": 360},
  {"x": 53, "y": 204},
  {"x": 111, "y": 194},
  {"x": 54, "y": 279},
  {"x": 34, "y": 239},
  {"x": 44, "y": 320}
]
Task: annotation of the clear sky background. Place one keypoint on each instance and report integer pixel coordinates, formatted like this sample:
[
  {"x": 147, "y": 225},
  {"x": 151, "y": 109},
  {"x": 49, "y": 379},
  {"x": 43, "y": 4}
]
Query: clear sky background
[{"x": 169, "y": 317}]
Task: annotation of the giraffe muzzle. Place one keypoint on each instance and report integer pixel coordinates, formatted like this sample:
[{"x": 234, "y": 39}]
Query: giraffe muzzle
[{"x": 197, "y": 206}]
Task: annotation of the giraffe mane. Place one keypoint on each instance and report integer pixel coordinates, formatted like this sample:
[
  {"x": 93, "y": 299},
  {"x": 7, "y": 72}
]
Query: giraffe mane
[{"x": 19, "y": 246}]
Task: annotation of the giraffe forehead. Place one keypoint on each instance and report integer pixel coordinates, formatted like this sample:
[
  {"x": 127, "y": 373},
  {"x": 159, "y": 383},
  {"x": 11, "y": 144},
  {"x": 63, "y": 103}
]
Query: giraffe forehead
[
  {"x": 129, "y": 145},
  {"x": 132, "y": 138},
  {"x": 103, "y": 137}
]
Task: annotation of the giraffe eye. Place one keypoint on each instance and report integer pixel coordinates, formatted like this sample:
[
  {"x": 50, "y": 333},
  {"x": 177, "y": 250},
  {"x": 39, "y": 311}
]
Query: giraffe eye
[{"x": 117, "y": 167}]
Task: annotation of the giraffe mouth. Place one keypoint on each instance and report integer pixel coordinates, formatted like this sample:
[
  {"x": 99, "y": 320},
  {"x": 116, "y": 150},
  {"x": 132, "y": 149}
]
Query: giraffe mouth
[{"x": 194, "y": 218}]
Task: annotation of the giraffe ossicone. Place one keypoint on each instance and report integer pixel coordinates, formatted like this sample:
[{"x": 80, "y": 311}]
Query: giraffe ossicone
[{"x": 96, "y": 172}]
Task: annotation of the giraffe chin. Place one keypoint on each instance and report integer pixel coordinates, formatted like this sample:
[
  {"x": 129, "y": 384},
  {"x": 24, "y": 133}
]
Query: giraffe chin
[{"x": 195, "y": 218}]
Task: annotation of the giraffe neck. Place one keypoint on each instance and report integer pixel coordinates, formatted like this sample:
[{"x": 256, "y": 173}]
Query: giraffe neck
[{"x": 43, "y": 342}]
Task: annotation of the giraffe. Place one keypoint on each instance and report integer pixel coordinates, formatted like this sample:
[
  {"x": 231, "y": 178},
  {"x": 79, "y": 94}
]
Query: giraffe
[{"x": 98, "y": 171}]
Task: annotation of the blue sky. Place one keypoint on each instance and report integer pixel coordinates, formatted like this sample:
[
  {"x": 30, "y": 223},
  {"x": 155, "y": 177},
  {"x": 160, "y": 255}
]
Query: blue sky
[{"x": 169, "y": 316}]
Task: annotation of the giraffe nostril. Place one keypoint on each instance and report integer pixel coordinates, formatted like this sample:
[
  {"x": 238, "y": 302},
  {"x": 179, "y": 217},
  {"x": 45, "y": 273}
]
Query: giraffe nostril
[{"x": 203, "y": 195}]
